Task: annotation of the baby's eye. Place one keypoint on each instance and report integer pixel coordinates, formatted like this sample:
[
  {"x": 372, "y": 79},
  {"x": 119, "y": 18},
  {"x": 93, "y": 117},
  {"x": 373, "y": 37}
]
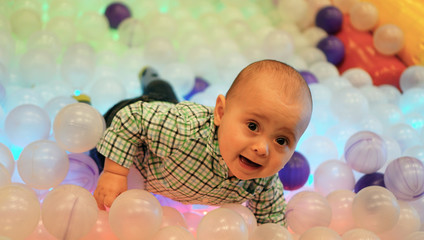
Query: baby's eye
[
  {"x": 252, "y": 126},
  {"x": 281, "y": 141}
]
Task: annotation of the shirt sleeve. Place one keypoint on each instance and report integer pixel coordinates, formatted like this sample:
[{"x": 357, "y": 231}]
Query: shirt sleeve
[
  {"x": 269, "y": 205},
  {"x": 121, "y": 140}
]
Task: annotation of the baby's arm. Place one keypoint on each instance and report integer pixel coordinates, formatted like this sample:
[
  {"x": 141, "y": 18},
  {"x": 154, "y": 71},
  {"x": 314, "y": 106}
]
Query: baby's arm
[
  {"x": 269, "y": 205},
  {"x": 111, "y": 183}
]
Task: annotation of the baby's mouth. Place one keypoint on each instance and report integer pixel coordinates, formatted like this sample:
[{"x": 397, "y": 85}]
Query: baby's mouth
[{"x": 249, "y": 163}]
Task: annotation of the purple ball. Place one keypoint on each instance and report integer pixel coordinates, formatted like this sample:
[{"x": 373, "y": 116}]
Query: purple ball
[
  {"x": 330, "y": 19},
  {"x": 309, "y": 77},
  {"x": 116, "y": 13},
  {"x": 333, "y": 48},
  {"x": 83, "y": 171},
  {"x": 372, "y": 179},
  {"x": 295, "y": 173}
]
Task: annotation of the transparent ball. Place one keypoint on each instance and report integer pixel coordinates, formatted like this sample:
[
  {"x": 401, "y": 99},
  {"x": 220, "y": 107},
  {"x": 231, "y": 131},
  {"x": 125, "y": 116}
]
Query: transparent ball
[
  {"x": 363, "y": 16},
  {"x": 413, "y": 76},
  {"x": 388, "y": 39},
  {"x": 358, "y": 77},
  {"x": 25, "y": 22},
  {"x": 78, "y": 127},
  {"x": 43, "y": 164},
  {"x": 132, "y": 33},
  {"x": 333, "y": 175},
  {"x": 349, "y": 104}
]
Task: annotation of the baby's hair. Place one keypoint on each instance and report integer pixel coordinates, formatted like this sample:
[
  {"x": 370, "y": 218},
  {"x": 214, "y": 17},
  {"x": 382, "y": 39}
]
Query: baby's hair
[{"x": 292, "y": 81}]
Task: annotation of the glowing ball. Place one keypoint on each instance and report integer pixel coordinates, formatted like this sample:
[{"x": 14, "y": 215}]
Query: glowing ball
[
  {"x": 409, "y": 222},
  {"x": 360, "y": 234},
  {"x": 388, "y": 113},
  {"x": 222, "y": 223},
  {"x": 174, "y": 233},
  {"x": 295, "y": 173},
  {"x": 101, "y": 230},
  {"x": 404, "y": 177},
  {"x": 278, "y": 44},
  {"x": 333, "y": 175},
  {"x": 314, "y": 34},
  {"x": 64, "y": 29},
  {"x": 43, "y": 164},
  {"x": 54, "y": 105},
  {"x": 82, "y": 172},
  {"x": 306, "y": 210},
  {"x": 69, "y": 212},
  {"x": 415, "y": 236},
  {"x": 363, "y": 16},
  {"x": 392, "y": 93},
  {"x": 376, "y": 209},
  {"x": 330, "y": 19},
  {"x": 270, "y": 231},
  {"x": 159, "y": 51},
  {"x": 374, "y": 94},
  {"x": 47, "y": 41},
  {"x": 116, "y": 13},
  {"x": 78, "y": 127},
  {"x": 318, "y": 149},
  {"x": 311, "y": 55},
  {"x": 413, "y": 76},
  {"x": 135, "y": 214},
  {"x": 341, "y": 210},
  {"x": 371, "y": 179},
  {"x": 25, "y": 22},
  {"x": 37, "y": 66},
  {"x": 309, "y": 77},
  {"x": 27, "y": 123},
  {"x": 349, "y": 104},
  {"x": 246, "y": 213},
  {"x": 404, "y": 134},
  {"x": 323, "y": 70},
  {"x": 365, "y": 152},
  {"x": 357, "y": 77},
  {"x": 132, "y": 33},
  {"x": 106, "y": 92},
  {"x": 6, "y": 158},
  {"x": 416, "y": 152},
  {"x": 92, "y": 26},
  {"x": 7, "y": 50},
  {"x": 388, "y": 39},
  {"x": 78, "y": 64},
  {"x": 320, "y": 233},
  {"x": 412, "y": 100},
  {"x": 172, "y": 217},
  {"x": 19, "y": 212},
  {"x": 333, "y": 49}
]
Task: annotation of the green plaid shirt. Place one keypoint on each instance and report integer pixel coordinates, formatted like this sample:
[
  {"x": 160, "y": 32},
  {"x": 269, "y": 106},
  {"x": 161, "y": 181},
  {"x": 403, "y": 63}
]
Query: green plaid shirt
[{"x": 175, "y": 147}]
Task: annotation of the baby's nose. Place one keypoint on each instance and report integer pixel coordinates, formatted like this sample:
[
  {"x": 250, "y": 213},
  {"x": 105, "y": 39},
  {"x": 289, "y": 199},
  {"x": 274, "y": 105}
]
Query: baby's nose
[{"x": 261, "y": 147}]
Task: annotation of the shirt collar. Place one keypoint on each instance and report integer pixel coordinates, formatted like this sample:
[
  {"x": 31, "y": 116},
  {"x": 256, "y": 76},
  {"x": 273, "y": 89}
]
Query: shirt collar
[{"x": 213, "y": 145}]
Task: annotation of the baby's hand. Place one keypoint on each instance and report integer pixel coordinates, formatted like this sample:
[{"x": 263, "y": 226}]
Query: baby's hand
[{"x": 109, "y": 186}]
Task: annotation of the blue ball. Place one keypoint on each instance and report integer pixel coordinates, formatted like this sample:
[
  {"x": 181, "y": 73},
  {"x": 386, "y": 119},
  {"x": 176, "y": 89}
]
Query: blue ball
[
  {"x": 309, "y": 77},
  {"x": 295, "y": 173},
  {"x": 330, "y": 19},
  {"x": 333, "y": 48},
  {"x": 116, "y": 13}
]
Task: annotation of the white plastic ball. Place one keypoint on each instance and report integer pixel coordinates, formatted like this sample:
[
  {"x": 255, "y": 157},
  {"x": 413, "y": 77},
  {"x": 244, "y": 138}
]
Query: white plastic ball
[
  {"x": 363, "y": 16},
  {"x": 413, "y": 76},
  {"x": 388, "y": 39},
  {"x": 358, "y": 77}
]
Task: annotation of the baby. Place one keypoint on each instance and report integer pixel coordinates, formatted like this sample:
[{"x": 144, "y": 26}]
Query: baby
[{"x": 202, "y": 155}]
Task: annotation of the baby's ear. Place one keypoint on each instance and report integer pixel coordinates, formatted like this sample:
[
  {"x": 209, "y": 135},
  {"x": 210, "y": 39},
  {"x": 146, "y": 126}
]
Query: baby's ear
[{"x": 219, "y": 109}]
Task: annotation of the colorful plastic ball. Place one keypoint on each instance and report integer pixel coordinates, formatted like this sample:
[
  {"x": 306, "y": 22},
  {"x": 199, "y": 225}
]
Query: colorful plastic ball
[
  {"x": 333, "y": 49},
  {"x": 388, "y": 39},
  {"x": 365, "y": 152},
  {"x": 174, "y": 233},
  {"x": 333, "y": 175},
  {"x": 135, "y": 214},
  {"x": 101, "y": 229},
  {"x": 172, "y": 217},
  {"x": 19, "y": 212},
  {"x": 341, "y": 208},
  {"x": 320, "y": 233},
  {"x": 82, "y": 172},
  {"x": 116, "y": 13},
  {"x": 295, "y": 173},
  {"x": 6, "y": 158},
  {"x": 413, "y": 76},
  {"x": 330, "y": 19},
  {"x": 404, "y": 177},
  {"x": 222, "y": 223},
  {"x": 43, "y": 164},
  {"x": 309, "y": 77},
  {"x": 78, "y": 127},
  {"x": 27, "y": 123},
  {"x": 307, "y": 209},
  {"x": 371, "y": 179},
  {"x": 376, "y": 209},
  {"x": 363, "y": 16},
  {"x": 69, "y": 212},
  {"x": 360, "y": 234},
  {"x": 246, "y": 213},
  {"x": 270, "y": 231}
]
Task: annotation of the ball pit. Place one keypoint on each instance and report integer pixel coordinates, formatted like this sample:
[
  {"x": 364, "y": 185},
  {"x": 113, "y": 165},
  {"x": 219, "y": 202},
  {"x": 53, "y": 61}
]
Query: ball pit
[{"x": 338, "y": 185}]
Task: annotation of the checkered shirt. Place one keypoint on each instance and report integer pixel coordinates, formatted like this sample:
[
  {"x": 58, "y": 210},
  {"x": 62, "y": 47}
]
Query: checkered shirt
[{"x": 175, "y": 148}]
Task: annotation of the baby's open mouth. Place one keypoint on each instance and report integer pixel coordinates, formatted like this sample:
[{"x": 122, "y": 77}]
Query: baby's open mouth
[{"x": 249, "y": 163}]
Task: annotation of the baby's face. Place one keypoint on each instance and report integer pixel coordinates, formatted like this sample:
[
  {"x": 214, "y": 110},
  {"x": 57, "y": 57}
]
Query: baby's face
[{"x": 259, "y": 130}]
